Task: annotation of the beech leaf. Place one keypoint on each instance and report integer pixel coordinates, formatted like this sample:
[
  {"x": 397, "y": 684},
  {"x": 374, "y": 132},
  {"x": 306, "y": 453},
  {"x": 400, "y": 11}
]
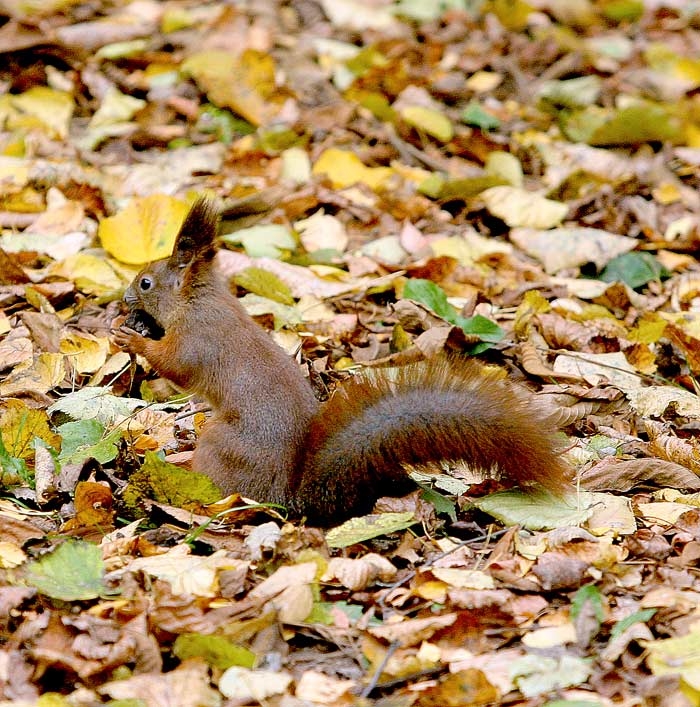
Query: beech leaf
[
  {"x": 73, "y": 571},
  {"x": 358, "y": 530},
  {"x": 145, "y": 230},
  {"x": 535, "y": 511}
]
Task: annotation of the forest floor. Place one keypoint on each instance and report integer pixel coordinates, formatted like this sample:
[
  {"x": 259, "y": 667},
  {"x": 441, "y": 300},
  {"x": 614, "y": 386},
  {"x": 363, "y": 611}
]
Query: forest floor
[{"x": 514, "y": 180}]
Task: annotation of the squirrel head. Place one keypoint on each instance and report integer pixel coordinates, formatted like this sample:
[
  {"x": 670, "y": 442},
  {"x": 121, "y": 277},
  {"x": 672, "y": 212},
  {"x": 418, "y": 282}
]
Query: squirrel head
[{"x": 159, "y": 291}]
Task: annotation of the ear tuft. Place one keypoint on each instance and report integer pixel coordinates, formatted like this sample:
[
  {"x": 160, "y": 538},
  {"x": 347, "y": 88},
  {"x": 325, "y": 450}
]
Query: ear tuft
[{"x": 197, "y": 233}]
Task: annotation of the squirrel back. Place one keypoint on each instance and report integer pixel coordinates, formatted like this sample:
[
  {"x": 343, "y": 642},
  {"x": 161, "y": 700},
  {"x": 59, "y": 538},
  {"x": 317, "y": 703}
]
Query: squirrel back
[{"x": 269, "y": 439}]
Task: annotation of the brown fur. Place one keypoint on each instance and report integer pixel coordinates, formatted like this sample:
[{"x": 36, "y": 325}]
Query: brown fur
[{"x": 269, "y": 439}]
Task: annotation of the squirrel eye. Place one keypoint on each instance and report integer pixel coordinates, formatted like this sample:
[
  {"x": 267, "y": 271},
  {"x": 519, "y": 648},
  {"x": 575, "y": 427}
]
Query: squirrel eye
[{"x": 145, "y": 284}]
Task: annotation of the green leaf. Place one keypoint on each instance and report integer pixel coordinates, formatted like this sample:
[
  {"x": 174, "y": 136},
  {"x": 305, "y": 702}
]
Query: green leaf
[
  {"x": 474, "y": 114},
  {"x": 263, "y": 241},
  {"x": 430, "y": 121},
  {"x": 480, "y": 326},
  {"x": 357, "y": 530},
  {"x": 538, "y": 674},
  {"x": 274, "y": 140},
  {"x": 505, "y": 166},
  {"x": 638, "y": 617},
  {"x": 222, "y": 123},
  {"x": 264, "y": 283},
  {"x": 634, "y": 269},
  {"x": 464, "y": 187},
  {"x": 217, "y": 651},
  {"x": 432, "y": 185},
  {"x": 588, "y": 594},
  {"x": 74, "y": 571},
  {"x": 13, "y": 467},
  {"x": 434, "y": 297},
  {"x": 534, "y": 511},
  {"x": 431, "y": 295},
  {"x": 323, "y": 612},
  {"x": 570, "y": 93},
  {"x": 167, "y": 483},
  {"x": 632, "y": 125},
  {"x": 366, "y": 59},
  {"x": 95, "y": 402},
  {"x": 441, "y": 503},
  {"x": 84, "y": 439},
  {"x": 424, "y": 10},
  {"x": 623, "y": 10},
  {"x": 377, "y": 103}
]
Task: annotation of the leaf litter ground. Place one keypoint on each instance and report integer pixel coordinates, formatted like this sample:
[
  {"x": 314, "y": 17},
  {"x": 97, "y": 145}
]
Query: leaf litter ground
[{"x": 515, "y": 180}]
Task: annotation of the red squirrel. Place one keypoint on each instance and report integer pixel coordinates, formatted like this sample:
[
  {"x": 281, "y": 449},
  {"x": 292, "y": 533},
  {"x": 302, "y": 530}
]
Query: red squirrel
[{"x": 271, "y": 440}]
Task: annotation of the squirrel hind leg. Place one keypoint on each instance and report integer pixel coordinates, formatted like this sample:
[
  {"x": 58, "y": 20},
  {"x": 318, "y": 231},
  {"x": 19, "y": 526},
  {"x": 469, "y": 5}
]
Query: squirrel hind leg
[{"x": 227, "y": 460}]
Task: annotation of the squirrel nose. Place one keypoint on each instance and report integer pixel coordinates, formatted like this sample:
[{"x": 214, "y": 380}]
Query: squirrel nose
[{"x": 130, "y": 296}]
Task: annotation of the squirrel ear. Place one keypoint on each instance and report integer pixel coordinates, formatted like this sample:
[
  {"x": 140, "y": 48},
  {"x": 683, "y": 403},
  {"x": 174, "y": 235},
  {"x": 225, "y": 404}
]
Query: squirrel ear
[{"x": 197, "y": 234}]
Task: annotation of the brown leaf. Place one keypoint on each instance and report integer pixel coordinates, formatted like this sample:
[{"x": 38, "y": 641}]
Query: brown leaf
[
  {"x": 11, "y": 273},
  {"x": 468, "y": 686},
  {"x": 558, "y": 571},
  {"x": 187, "y": 686},
  {"x": 624, "y": 475}
]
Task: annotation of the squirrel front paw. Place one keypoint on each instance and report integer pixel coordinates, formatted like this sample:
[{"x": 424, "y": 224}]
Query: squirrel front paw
[{"x": 129, "y": 339}]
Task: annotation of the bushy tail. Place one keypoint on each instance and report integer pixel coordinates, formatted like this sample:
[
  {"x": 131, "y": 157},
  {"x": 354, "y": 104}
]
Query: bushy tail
[{"x": 446, "y": 409}]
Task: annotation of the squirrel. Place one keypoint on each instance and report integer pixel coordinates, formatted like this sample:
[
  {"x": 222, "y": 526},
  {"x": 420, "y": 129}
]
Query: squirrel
[{"x": 269, "y": 438}]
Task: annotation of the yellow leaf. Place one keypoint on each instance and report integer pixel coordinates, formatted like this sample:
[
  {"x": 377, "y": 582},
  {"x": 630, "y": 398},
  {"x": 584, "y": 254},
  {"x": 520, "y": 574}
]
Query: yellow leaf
[
  {"x": 550, "y": 636},
  {"x": 506, "y": 166},
  {"x": 345, "y": 168},
  {"x": 432, "y": 591},
  {"x": 513, "y": 14},
  {"x": 662, "y": 58},
  {"x": 145, "y": 230},
  {"x": 429, "y": 121},
  {"x": 692, "y": 135},
  {"x": 37, "y": 376},
  {"x": 85, "y": 352},
  {"x": 91, "y": 274},
  {"x": 519, "y": 207},
  {"x": 676, "y": 655},
  {"x": 32, "y": 9},
  {"x": 244, "y": 83},
  {"x": 186, "y": 573},
  {"x": 14, "y": 171},
  {"x": 46, "y": 108},
  {"x": 483, "y": 81},
  {"x": 176, "y": 18},
  {"x": 463, "y": 578},
  {"x": 20, "y": 424},
  {"x": 11, "y": 555},
  {"x": 667, "y": 193}
]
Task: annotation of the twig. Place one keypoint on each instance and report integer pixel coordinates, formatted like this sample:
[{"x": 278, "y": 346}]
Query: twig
[
  {"x": 412, "y": 574},
  {"x": 408, "y": 151},
  {"x": 393, "y": 647}
]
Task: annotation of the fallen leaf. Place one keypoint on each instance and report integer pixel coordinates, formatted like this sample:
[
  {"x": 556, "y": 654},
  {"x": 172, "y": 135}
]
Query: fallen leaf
[
  {"x": 359, "y": 573},
  {"x": 344, "y": 169},
  {"x": 253, "y": 685},
  {"x": 73, "y": 571},
  {"x": 145, "y": 230},
  {"x": 521, "y": 208}
]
